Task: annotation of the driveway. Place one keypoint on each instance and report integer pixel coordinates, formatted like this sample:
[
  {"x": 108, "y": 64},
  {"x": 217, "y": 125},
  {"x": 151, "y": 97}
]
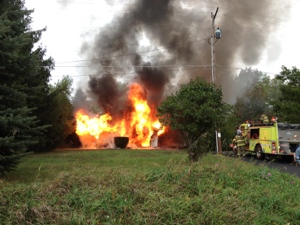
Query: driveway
[{"x": 284, "y": 165}]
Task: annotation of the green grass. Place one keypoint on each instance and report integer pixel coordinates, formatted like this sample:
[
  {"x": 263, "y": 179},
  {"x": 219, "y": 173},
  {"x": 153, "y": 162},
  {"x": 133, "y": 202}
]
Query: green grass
[{"x": 146, "y": 187}]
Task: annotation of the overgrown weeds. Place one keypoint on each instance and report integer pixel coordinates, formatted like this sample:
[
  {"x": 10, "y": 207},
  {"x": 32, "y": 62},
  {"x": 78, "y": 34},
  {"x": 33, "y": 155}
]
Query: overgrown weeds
[{"x": 164, "y": 189}]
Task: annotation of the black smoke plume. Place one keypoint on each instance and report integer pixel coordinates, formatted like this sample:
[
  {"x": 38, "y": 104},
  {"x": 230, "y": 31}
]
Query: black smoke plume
[{"x": 178, "y": 32}]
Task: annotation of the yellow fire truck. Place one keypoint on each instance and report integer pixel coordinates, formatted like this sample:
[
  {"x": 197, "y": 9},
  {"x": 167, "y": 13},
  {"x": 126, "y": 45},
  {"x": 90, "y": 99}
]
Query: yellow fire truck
[{"x": 270, "y": 139}]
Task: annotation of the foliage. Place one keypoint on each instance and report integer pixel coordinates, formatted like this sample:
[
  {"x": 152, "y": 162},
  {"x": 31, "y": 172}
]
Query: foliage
[
  {"x": 146, "y": 187},
  {"x": 195, "y": 111},
  {"x": 255, "y": 92},
  {"x": 287, "y": 105},
  {"x": 61, "y": 114},
  {"x": 22, "y": 86},
  {"x": 228, "y": 128}
]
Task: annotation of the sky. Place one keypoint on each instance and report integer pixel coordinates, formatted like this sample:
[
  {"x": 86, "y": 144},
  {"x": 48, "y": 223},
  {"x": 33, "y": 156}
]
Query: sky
[
  {"x": 67, "y": 27},
  {"x": 72, "y": 25}
]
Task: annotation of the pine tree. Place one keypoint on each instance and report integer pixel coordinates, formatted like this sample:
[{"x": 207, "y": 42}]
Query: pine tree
[{"x": 20, "y": 79}]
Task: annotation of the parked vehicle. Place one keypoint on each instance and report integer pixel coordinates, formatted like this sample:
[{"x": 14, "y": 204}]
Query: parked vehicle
[{"x": 270, "y": 139}]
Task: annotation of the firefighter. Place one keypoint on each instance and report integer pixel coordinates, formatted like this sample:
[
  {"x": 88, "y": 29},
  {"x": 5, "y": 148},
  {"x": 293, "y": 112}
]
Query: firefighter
[
  {"x": 297, "y": 156},
  {"x": 264, "y": 119},
  {"x": 240, "y": 143},
  {"x": 233, "y": 146}
]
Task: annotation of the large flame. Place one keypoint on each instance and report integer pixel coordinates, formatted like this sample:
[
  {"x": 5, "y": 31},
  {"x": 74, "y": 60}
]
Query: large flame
[
  {"x": 93, "y": 126},
  {"x": 140, "y": 124}
]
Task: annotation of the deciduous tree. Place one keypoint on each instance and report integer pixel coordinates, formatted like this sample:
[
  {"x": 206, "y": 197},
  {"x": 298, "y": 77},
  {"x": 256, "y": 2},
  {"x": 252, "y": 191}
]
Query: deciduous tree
[
  {"x": 287, "y": 106},
  {"x": 195, "y": 111},
  {"x": 60, "y": 113},
  {"x": 254, "y": 95}
]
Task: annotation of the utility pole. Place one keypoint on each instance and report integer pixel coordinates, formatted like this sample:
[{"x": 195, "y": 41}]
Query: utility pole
[
  {"x": 212, "y": 44},
  {"x": 215, "y": 35}
]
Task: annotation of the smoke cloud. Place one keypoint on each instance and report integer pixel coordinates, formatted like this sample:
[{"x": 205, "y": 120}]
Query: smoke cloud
[
  {"x": 178, "y": 49},
  {"x": 106, "y": 89}
]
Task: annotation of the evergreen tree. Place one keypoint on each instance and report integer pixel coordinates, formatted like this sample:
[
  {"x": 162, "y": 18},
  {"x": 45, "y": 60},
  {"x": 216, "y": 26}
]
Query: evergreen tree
[{"x": 20, "y": 79}]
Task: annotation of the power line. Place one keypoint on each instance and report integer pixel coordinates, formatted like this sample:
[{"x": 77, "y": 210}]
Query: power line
[
  {"x": 133, "y": 66},
  {"x": 195, "y": 67},
  {"x": 133, "y": 53}
]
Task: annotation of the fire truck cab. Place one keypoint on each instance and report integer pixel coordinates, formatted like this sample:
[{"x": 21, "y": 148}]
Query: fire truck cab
[{"x": 271, "y": 139}]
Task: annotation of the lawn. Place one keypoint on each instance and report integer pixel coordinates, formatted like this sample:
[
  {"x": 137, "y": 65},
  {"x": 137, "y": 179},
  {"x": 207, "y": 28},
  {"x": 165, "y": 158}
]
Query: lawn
[{"x": 145, "y": 187}]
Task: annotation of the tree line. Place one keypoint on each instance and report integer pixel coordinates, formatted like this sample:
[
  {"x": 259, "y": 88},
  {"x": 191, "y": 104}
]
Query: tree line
[
  {"x": 196, "y": 110},
  {"x": 36, "y": 116}
]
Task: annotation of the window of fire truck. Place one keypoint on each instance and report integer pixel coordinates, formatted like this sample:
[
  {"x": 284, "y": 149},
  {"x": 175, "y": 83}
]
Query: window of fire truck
[{"x": 254, "y": 133}]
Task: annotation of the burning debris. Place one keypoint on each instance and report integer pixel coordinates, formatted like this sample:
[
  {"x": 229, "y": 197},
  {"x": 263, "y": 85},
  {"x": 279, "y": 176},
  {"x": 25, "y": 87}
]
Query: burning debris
[{"x": 139, "y": 123}]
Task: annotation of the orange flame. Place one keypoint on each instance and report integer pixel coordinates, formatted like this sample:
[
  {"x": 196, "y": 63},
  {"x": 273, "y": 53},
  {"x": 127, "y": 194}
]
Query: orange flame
[
  {"x": 93, "y": 126},
  {"x": 140, "y": 124}
]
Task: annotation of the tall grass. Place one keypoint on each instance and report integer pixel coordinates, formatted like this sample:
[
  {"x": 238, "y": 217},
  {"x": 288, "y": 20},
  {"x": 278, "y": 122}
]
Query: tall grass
[{"x": 146, "y": 187}]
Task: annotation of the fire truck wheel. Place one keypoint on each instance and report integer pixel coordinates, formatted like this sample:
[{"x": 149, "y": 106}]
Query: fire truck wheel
[{"x": 258, "y": 152}]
